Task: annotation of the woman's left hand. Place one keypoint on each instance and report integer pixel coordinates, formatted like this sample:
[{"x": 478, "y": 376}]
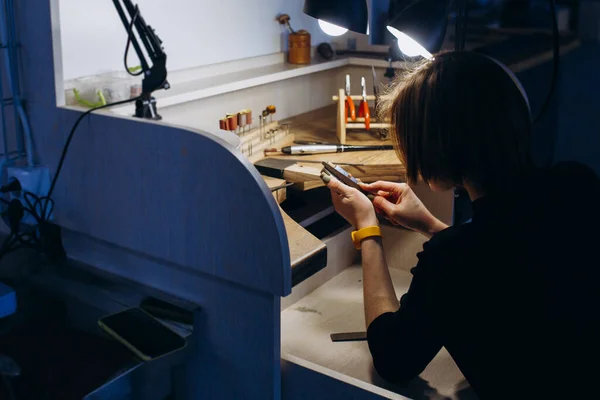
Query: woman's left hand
[{"x": 351, "y": 204}]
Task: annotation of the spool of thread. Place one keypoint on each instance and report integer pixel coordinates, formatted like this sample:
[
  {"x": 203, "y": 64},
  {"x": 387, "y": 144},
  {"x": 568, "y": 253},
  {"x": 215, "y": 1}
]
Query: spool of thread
[
  {"x": 232, "y": 122},
  {"x": 299, "y": 47},
  {"x": 223, "y": 124},
  {"x": 241, "y": 119},
  {"x": 248, "y": 117}
]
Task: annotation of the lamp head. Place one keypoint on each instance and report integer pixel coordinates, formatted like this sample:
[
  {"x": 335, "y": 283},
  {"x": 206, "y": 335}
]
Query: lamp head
[
  {"x": 419, "y": 25},
  {"x": 336, "y": 17}
]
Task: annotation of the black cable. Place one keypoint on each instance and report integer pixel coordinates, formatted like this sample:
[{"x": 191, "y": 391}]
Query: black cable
[
  {"x": 32, "y": 206},
  {"x": 66, "y": 148},
  {"x": 129, "y": 33},
  {"x": 556, "y": 63},
  {"x": 19, "y": 240}
]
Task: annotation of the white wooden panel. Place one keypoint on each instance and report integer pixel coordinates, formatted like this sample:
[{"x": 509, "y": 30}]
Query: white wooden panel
[{"x": 337, "y": 306}]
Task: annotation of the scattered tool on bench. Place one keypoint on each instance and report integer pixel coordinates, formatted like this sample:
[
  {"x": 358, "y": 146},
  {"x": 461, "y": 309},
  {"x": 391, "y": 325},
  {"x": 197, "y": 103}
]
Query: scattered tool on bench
[
  {"x": 285, "y": 185},
  {"x": 363, "y": 108},
  {"x": 263, "y": 122},
  {"x": 350, "y": 110},
  {"x": 299, "y": 160},
  {"x": 375, "y": 90},
  {"x": 271, "y": 110}
]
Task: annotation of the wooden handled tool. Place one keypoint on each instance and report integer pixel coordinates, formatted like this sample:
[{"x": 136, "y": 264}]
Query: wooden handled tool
[
  {"x": 284, "y": 19},
  {"x": 375, "y": 89}
]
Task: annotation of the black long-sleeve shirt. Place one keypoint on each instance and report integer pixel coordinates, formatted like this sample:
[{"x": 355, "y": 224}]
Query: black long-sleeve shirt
[{"x": 514, "y": 295}]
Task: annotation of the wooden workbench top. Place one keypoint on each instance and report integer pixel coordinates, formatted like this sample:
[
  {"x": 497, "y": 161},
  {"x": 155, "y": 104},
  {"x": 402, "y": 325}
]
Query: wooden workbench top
[
  {"x": 308, "y": 253},
  {"x": 319, "y": 126}
]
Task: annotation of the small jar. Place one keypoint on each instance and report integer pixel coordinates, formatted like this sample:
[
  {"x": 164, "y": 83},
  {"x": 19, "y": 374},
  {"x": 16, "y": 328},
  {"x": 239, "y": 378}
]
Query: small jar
[{"x": 299, "y": 47}]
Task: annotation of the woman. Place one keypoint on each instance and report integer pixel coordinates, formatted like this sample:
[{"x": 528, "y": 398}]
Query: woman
[{"x": 513, "y": 294}]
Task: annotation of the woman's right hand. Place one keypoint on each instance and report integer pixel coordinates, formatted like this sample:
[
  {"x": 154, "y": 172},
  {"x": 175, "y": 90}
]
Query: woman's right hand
[{"x": 401, "y": 206}]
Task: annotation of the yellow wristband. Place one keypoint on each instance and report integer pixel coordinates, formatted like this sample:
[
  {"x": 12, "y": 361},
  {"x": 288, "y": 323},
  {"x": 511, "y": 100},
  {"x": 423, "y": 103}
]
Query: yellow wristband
[{"x": 361, "y": 234}]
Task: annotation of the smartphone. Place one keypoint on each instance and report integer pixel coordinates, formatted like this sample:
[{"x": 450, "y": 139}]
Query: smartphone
[
  {"x": 348, "y": 336},
  {"x": 144, "y": 335},
  {"x": 342, "y": 175}
]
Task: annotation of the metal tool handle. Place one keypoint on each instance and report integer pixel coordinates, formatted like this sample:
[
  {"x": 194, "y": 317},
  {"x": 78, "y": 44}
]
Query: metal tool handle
[
  {"x": 347, "y": 84},
  {"x": 363, "y": 84},
  {"x": 312, "y": 149}
]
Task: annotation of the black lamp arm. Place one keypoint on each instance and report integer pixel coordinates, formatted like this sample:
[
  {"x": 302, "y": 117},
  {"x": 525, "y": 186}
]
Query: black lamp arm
[{"x": 155, "y": 76}]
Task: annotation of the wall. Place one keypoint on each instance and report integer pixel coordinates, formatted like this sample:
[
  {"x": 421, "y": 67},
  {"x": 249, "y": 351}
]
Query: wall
[
  {"x": 194, "y": 32},
  {"x": 291, "y": 97}
]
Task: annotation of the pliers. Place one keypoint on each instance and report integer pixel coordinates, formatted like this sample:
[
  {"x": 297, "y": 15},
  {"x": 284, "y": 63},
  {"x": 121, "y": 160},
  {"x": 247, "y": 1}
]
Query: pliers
[
  {"x": 363, "y": 108},
  {"x": 350, "y": 110}
]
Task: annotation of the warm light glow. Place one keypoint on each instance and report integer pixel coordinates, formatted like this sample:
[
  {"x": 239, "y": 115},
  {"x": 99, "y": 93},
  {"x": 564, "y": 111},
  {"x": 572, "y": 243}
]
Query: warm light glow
[
  {"x": 331, "y": 29},
  {"x": 408, "y": 45}
]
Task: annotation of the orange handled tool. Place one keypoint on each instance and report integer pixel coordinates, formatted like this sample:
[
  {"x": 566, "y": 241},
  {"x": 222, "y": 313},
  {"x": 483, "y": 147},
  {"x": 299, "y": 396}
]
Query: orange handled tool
[
  {"x": 350, "y": 110},
  {"x": 363, "y": 108}
]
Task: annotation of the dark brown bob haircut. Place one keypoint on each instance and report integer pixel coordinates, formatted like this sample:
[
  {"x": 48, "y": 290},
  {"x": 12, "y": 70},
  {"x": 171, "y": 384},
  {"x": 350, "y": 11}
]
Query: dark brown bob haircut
[{"x": 460, "y": 117}]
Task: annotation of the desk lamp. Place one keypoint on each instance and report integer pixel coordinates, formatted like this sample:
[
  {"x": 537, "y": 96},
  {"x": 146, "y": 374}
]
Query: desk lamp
[
  {"x": 337, "y": 17},
  {"x": 155, "y": 76},
  {"x": 420, "y": 27}
]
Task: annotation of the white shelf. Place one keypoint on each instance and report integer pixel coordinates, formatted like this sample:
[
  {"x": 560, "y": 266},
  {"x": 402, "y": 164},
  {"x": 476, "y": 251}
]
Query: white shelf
[
  {"x": 376, "y": 62},
  {"x": 191, "y": 90}
]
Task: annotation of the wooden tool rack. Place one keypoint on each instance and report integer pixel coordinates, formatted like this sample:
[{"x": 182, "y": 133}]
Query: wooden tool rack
[{"x": 343, "y": 123}]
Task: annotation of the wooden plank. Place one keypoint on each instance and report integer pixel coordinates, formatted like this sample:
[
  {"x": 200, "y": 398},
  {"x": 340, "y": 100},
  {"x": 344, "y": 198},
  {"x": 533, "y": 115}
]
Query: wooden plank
[
  {"x": 307, "y": 253},
  {"x": 279, "y": 194},
  {"x": 304, "y": 247},
  {"x": 302, "y": 173}
]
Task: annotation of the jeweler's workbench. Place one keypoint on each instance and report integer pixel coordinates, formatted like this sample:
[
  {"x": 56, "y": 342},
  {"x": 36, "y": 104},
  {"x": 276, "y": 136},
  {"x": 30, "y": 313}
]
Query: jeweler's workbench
[
  {"x": 320, "y": 126},
  {"x": 306, "y": 250}
]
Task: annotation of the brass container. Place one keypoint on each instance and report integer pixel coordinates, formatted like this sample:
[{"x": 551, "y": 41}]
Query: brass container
[{"x": 299, "y": 47}]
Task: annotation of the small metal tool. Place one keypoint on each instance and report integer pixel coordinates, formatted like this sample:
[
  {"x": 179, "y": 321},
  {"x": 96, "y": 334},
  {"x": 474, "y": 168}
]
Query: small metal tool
[
  {"x": 285, "y": 185},
  {"x": 375, "y": 89},
  {"x": 363, "y": 108},
  {"x": 350, "y": 110}
]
